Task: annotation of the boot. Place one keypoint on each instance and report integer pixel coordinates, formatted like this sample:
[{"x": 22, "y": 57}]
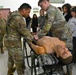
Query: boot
[
  {"x": 11, "y": 71},
  {"x": 2, "y": 51},
  {"x": 70, "y": 73}
]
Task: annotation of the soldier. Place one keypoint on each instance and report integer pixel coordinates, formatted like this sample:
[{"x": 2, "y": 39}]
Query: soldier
[
  {"x": 15, "y": 29},
  {"x": 2, "y": 31},
  {"x": 56, "y": 22},
  {"x": 41, "y": 19}
]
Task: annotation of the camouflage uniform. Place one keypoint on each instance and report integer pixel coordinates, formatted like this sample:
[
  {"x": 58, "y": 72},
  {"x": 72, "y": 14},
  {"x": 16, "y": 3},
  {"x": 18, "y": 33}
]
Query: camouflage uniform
[
  {"x": 41, "y": 21},
  {"x": 16, "y": 28},
  {"x": 56, "y": 22},
  {"x": 2, "y": 32}
]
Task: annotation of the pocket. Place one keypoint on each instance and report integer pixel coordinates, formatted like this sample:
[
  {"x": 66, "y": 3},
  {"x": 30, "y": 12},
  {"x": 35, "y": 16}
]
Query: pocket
[{"x": 18, "y": 55}]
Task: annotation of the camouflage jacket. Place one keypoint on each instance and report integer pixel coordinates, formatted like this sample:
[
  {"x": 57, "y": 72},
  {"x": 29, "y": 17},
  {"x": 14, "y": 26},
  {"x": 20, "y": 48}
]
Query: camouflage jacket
[
  {"x": 41, "y": 21},
  {"x": 2, "y": 26},
  {"x": 15, "y": 29},
  {"x": 56, "y": 22}
]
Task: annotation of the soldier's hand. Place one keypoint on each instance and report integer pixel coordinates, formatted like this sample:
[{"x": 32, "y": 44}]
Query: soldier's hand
[{"x": 34, "y": 42}]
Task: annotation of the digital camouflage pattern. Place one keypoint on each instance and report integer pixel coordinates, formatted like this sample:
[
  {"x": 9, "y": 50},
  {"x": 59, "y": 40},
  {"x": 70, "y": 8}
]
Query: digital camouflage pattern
[
  {"x": 16, "y": 55},
  {"x": 56, "y": 22},
  {"x": 2, "y": 30},
  {"x": 15, "y": 29},
  {"x": 41, "y": 21}
]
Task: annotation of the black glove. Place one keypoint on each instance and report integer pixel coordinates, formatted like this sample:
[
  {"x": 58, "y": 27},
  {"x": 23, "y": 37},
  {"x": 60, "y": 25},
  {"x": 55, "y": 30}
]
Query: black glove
[{"x": 34, "y": 42}]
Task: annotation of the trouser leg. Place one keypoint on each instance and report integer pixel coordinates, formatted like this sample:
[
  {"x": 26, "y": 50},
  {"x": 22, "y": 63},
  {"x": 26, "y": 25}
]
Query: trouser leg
[
  {"x": 20, "y": 68},
  {"x": 19, "y": 61},
  {"x": 69, "y": 69},
  {"x": 60, "y": 70},
  {"x": 16, "y": 56},
  {"x": 1, "y": 43},
  {"x": 10, "y": 65},
  {"x": 1, "y": 46},
  {"x": 2, "y": 51}
]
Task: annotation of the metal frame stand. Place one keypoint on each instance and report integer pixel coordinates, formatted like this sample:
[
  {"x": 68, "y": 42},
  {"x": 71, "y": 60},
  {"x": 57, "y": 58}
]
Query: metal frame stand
[
  {"x": 32, "y": 56},
  {"x": 33, "y": 65}
]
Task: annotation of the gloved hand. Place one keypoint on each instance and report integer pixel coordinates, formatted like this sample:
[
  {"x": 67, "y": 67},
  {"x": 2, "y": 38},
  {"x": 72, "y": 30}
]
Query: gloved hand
[{"x": 34, "y": 42}]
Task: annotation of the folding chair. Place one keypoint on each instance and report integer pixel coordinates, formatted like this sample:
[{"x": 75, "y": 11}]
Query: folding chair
[
  {"x": 26, "y": 53},
  {"x": 32, "y": 55}
]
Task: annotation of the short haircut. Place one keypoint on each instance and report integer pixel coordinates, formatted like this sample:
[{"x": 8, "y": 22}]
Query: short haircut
[
  {"x": 24, "y": 6},
  {"x": 73, "y": 9},
  {"x": 41, "y": 1}
]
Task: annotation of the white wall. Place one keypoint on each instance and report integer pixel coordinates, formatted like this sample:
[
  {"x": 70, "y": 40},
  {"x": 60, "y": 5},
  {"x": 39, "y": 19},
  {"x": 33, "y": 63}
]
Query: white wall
[
  {"x": 14, "y": 4},
  {"x": 72, "y": 2}
]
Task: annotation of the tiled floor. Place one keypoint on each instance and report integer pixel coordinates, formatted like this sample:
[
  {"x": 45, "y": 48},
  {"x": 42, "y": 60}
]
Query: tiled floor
[{"x": 3, "y": 65}]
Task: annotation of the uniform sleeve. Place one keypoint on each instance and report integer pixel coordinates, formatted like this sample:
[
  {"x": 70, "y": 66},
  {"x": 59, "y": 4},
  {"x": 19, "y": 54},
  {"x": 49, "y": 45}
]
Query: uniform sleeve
[
  {"x": 50, "y": 16},
  {"x": 3, "y": 26},
  {"x": 23, "y": 31}
]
